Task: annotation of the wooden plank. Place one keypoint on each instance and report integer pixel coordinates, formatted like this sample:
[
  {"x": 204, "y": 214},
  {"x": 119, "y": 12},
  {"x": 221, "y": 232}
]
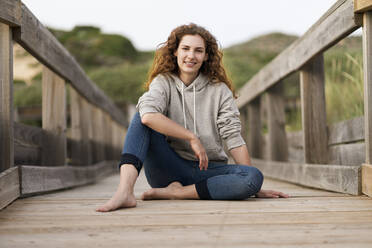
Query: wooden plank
[
  {"x": 6, "y": 98},
  {"x": 86, "y": 123},
  {"x": 335, "y": 25},
  {"x": 9, "y": 186},
  {"x": 244, "y": 123},
  {"x": 367, "y": 65},
  {"x": 26, "y": 153},
  {"x": 255, "y": 139},
  {"x": 278, "y": 147},
  {"x": 10, "y": 12},
  {"x": 308, "y": 219},
  {"x": 54, "y": 119},
  {"x": 338, "y": 178},
  {"x": 367, "y": 179},
  {"x": 346, "y": 131},
  {"x": 314, "y": 122},
  {"x": 98, "y": 150},
  {"x": 347, "y": 154},
  {"x": 361, "y": 6},
  {"x": 109, "y": 137},
  {"x": 41, "y": 179},
  {"x": 295, "y": 139},
  {"x": 38, "y": 41},
  {"x": 76, "y": 127}
]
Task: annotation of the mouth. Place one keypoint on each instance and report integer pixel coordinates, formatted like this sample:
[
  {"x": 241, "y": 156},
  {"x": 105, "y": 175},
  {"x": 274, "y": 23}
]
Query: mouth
[{"x": 189, "y": 63}]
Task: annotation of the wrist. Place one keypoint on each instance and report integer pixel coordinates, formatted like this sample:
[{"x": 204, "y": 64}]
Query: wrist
[{"x": 192, "y": 137}]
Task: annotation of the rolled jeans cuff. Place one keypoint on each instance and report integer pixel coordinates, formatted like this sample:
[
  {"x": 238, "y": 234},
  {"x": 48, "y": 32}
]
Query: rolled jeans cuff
[
  {"x": 128, "y": 158},
  {"x": 202, "y": 189}
]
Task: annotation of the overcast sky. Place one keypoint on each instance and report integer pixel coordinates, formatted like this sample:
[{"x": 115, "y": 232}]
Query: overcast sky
[{"x": 147, "y": 23}]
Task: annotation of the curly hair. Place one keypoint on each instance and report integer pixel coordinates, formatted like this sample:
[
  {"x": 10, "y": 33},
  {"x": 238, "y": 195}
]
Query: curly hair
[{"x": 165, "y": 61}]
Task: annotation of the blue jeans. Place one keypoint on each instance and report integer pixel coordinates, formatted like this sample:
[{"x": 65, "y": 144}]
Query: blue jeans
[{"x": 144, "y": 146}]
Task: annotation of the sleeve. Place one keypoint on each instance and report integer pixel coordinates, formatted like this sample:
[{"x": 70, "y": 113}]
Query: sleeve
[
  {"x": 228, "y": 121},
  {"x": 155, "y": 100}
]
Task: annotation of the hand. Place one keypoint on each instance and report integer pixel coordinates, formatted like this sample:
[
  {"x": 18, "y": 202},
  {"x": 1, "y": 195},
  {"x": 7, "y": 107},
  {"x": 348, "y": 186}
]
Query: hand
[
  {"x": 200, "y": 153},
  {"x": 271, "y": 194}
]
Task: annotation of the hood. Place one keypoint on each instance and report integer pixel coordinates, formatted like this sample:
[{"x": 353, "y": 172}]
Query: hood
[{"x": 200, "y": 82}]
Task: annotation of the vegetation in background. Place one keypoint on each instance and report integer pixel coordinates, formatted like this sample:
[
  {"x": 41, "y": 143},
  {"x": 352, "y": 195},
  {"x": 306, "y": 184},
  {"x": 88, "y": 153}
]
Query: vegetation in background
[{"x": 344, "y": 88}]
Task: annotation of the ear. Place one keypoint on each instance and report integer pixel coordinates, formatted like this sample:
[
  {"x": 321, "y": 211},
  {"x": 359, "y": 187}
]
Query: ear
[{"x": 175, "y": 53}]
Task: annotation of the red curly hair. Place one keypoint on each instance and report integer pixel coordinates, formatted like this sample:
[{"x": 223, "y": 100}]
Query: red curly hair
[{"x": 166, "y": 62}]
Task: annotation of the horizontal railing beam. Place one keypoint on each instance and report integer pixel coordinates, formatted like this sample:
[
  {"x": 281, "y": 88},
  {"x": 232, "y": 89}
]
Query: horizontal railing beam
[
  {"x": 39, "y": 42},
  {"x": 333, "y": 26},
  {"x": 11, "y": 12}
]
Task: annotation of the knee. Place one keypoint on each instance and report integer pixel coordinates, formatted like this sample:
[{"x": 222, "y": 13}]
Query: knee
[{"x": 256, "y": 179}]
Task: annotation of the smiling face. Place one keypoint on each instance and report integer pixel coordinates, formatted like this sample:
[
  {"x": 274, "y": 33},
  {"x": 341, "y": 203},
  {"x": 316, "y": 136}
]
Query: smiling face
[{"x": 190, "y": 55}]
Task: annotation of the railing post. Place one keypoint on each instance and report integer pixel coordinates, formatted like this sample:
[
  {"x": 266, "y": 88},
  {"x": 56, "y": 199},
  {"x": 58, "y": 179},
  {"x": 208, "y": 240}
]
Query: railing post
[
  {"x": 108, "y": 136},
  {"x": 54, "y": 151},
  {"x": 314, "y": 122},
  {"x": 254, "y": 129},
  {"x": 80, "y": 128},
  {"x": 278, "y": 147},
  {"x": 244, "y": 122},
  {"x": 98, "y": 149},
  {"x": 6, "y": 98},
  {"x": 367, "y": 66}
]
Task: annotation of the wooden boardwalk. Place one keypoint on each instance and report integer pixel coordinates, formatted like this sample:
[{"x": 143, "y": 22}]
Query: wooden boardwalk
[{"x": 310, "y": 218}]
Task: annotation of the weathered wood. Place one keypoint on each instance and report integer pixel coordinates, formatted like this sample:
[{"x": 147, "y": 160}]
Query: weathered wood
[
  {"x": 310, "y": 218},
  {"x": 54, "y": 119},
  {"x": 278, "y": 148},
  {"x": 109, "y": 138},
  {"x": 78, "y": 134},
  {"x": 38, "y": 41},
  {"x": 346, "y": 131},
  {"x": 314, "y": 122},
  {"x": 255, "y": 139},
  {"x": 295, "y": 139},
  {"x": 26, "y": 153},
  {"x": 98, "y": 149},
  {"x": 10, "y": 12},
  {"x": 9, "y": 186},
  {"x": 6, "y": 98},
  {"x": 40, "y": 179},
  {"x": 333, "y": 26},
  {"x": 362, "y": 5},
  {"x": 367, "y": 179},
  {"x": 87, "y": 136},
  {"x": 367, "y": 65},
  {"x": 338, "y": 178},
  {"x": 244, "y": 123},
  {"x": 347, "y": 154}
]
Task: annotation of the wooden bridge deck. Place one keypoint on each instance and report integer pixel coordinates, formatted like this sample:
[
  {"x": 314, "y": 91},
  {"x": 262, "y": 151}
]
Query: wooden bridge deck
[{"x": 311, "y": 218}]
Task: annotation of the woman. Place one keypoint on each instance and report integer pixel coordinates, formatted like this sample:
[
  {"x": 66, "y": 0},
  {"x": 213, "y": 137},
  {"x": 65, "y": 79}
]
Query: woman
[{"x": 186, "y": 114}]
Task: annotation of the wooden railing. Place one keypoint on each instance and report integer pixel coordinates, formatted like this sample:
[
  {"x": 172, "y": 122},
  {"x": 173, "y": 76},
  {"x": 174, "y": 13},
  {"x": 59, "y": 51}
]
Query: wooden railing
[
  {"x": 35, "y": 160},
  {"x": 325, "y": 162}
]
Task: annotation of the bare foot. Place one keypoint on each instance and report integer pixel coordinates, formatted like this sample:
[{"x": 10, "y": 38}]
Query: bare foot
[
  {"x": 119, "y": 200},
  {"x": 168, "y": 192}
]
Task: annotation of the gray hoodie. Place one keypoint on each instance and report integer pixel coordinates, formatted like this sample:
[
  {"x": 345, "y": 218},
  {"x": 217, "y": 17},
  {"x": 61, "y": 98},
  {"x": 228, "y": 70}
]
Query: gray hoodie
[{"x": 207, "y": 109}]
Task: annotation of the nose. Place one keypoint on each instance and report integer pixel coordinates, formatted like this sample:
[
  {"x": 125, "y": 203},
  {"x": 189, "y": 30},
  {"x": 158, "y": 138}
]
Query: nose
[{"x": 191, "y": 54}]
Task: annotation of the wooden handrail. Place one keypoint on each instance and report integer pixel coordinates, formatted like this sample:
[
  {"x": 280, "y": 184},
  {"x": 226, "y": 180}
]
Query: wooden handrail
[
  {"x": 319, "y": 144},
  {"x": 333, "y": 26},
  {"x": 39, "y": 42}
]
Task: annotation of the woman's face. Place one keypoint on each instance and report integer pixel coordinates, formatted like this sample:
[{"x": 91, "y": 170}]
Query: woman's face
[{"x": 191, "y": 54}]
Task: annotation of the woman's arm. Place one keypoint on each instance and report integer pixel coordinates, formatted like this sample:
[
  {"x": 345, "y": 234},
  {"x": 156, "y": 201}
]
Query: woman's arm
[
  {"x": 240, "y": 155},
  {"x": 168, "y": 127}
]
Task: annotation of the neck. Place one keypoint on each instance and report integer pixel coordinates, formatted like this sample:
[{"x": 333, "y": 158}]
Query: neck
[{"x": 187, "y": 79}]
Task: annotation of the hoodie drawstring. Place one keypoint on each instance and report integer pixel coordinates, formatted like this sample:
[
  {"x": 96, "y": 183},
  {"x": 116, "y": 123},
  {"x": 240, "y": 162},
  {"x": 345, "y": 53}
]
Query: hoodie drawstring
[{"x": 183, "y": 107}]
